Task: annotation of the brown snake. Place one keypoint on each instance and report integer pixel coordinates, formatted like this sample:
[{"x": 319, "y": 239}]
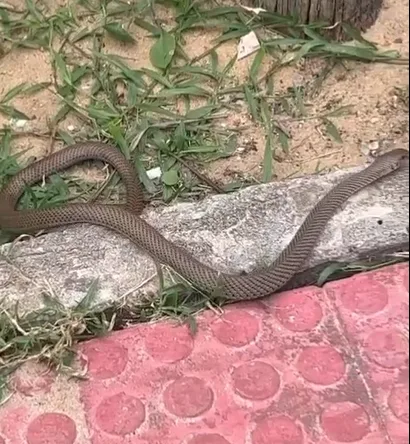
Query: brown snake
[{"x": 126, "y": 221}]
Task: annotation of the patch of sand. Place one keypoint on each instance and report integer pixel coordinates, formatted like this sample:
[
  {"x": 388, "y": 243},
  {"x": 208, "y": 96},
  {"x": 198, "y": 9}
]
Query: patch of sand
[{"x": 375, "y": 91}]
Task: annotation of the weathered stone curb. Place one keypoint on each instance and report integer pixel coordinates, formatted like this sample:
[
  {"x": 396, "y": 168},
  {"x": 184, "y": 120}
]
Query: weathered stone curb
[{"x": 233, "y": 233}]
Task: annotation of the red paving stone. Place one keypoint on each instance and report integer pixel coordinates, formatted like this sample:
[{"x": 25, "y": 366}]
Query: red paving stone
[{"x": 309, "y": 366}]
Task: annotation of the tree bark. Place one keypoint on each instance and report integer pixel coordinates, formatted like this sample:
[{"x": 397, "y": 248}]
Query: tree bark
[{"x": 361, "y": 14}]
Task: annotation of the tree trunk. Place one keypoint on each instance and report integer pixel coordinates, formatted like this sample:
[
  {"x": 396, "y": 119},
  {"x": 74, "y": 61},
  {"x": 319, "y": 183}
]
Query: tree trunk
[{"x": 359, "y": 13}]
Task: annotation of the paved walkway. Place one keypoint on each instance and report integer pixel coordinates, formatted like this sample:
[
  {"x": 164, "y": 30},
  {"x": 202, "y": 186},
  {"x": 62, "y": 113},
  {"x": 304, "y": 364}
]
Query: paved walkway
[{"x": 311, "y": 366}]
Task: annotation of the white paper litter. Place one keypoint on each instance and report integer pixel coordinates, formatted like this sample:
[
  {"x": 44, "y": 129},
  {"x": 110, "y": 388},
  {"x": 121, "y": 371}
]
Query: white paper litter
[
  {"x": 255, "y": 10},
  {"x": 154, "y": 173},
  {"x": 247, "y": 45},
  {"x": 18, "y": 123}
]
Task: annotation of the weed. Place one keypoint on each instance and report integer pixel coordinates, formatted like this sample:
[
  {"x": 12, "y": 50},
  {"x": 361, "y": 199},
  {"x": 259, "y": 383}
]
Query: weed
[{"x": 119, "y": 103}]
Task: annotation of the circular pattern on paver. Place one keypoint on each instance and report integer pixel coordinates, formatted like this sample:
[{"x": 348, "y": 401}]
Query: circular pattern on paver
[
  {"x": 367, "y": 297},
  {"x": 208, "y": 438},
  {"x": 236, "y": 328},
  {"x": 55, "y": 428},
  {"x": 120, "y": 414},
  {"x": 399, "y": 402},
  {"x": 389, "y": 349},
  {"x": 188, "y": 397},
  {"x": 105, "y": 358},
  {"x": 322, "y": 365},
  {"x": 255, "y": 380},
  {"x": 277, "y": 430},
  {"x": 167, "y": 343},
  {"x": 298, "y": 311},
  {"x": 345, "y": 422}
]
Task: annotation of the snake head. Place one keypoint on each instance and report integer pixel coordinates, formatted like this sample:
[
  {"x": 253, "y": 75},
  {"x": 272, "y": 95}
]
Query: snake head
[
  {"x": 399, "y": 154},
  {"x": 395, "y": 159}
]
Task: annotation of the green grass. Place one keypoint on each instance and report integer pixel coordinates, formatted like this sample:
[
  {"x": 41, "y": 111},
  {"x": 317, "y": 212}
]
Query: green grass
[
  {"x": 136, "y": 110},
  {"x": 142, "y": 120},
  {"x": 50, "y": 334},
  {"x": 338, "y": 270}
]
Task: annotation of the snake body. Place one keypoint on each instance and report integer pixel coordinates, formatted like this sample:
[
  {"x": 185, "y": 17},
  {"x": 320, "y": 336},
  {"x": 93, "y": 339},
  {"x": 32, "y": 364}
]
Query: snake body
[{"x": 126, "y": 219}]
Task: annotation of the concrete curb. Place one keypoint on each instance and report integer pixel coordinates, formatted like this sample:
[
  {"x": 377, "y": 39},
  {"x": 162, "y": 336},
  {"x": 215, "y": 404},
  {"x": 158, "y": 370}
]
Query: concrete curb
[{"x": 233, "y": 233}]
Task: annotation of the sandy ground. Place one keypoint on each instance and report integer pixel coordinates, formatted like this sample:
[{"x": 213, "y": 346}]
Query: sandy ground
[{"x": 376, "y": 92}]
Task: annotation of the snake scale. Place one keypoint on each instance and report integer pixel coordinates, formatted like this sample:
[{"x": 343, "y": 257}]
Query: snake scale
[{"x": 126, "y": 220}]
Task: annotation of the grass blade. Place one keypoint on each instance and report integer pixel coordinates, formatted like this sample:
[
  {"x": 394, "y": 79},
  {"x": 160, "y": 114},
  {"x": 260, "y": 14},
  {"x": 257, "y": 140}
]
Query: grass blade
[
  {"x": 332, "y": 130},
  {"x": 252, "y": 103},
  {"x": 117, "y": 31},
  {"x": 163, "y": 51}
]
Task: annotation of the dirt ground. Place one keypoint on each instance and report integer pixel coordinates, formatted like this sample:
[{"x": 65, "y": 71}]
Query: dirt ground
[{"x": 377, "y": 93}]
